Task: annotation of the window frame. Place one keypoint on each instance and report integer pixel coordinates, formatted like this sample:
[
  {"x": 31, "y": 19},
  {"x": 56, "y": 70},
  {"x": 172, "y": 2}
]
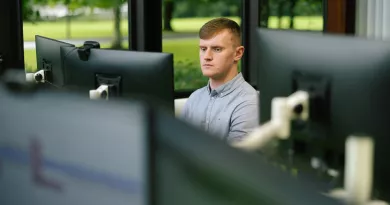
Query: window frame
[
  {"x": 11, "y": 37},
  {"x": 145, "y": 30}
]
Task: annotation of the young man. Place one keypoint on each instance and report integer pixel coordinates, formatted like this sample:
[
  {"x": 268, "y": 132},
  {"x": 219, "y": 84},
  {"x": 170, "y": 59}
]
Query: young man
[{"x": 227, "y": 106}]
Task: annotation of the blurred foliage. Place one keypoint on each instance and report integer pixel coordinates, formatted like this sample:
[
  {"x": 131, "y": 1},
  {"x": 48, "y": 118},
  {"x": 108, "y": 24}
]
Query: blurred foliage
[
  {"x": 290, "y": 8},
  {"x": 103, "y": 29},
  {"x": 30, "y": 15},
  {"x": 302, "y": 7},
  {"x": 209, "y": 8},
  {"x": 206, "y": 8},
  {"x": 192, "y": 8}
]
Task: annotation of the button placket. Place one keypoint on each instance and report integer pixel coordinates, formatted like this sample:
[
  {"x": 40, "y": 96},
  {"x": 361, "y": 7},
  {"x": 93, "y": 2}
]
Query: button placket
[{"x": 209, "y": 110}]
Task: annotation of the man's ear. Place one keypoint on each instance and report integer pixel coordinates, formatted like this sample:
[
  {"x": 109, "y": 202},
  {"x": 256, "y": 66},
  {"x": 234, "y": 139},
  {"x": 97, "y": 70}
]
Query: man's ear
[{"x": 239, "y": 53}]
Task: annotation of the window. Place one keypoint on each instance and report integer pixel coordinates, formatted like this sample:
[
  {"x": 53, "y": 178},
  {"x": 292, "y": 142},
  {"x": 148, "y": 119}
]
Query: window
[
  {"x": 292, "y": 14},
  {"x": 74, "y": 22}
]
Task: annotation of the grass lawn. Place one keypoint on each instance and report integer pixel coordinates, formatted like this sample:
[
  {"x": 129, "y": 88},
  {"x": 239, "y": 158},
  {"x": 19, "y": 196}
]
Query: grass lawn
[
  {"x": 79, "y": 29},
  {"x": 98, "y": 29}
]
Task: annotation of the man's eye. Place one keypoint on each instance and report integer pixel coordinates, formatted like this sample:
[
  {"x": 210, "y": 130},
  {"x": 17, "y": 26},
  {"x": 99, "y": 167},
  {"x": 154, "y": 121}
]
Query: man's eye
[
  {"x": 202, "y": 49},
  {"x": 217, "y": 49}
]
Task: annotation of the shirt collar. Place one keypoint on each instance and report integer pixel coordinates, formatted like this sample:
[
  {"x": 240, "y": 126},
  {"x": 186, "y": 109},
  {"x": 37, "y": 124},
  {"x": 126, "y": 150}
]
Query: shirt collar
[{"x": 226, "y": 88}]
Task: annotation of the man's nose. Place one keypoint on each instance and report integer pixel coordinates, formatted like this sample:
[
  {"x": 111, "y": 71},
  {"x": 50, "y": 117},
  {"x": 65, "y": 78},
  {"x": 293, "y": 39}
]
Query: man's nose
[{"x": 207, "y": 55}]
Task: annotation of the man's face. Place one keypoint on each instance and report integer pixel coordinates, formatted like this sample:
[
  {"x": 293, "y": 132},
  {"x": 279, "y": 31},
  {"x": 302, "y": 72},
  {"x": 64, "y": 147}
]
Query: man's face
[{"x": 218, "y": 54}]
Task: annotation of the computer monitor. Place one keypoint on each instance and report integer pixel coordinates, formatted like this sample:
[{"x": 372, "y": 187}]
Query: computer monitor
[
  {"x": 57, "y": 148},
  {"x": 193, "y": 167},
  {"x": 106, "y": 73},
  {"x": 348, "y": 79},
  {"x": 49, "y": 66}
]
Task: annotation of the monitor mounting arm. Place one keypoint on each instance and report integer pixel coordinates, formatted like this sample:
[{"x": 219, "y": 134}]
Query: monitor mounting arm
[
  {"x": 108, "y": 87},
  {"x": 100, "y": 93},
  {"x": 284, "y": 109},
  {"x": 359, "y": 150},
  {"x": 37, "y": 77},
  {"x": 42, "y": 75},
  {"x": 358, "y": 172}
]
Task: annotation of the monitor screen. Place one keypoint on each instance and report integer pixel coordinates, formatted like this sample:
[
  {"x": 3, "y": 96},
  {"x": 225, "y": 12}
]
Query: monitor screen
[
  {"x": 59, "y": 149},
  {"x": 348, "y": 79},
  {"x": 146, "y": 75},
  {"x": 49, "y": 59}
]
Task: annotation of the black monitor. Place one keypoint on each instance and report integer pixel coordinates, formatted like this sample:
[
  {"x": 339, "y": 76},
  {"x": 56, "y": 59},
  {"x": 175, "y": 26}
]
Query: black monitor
[
  {"x": 348, "y": 79},
  {"x": 193, "y": 167},
  {"x": 57, "y": 148},
  {"x": 49, "y": 66},
  {"x": 105, "y": 73}
]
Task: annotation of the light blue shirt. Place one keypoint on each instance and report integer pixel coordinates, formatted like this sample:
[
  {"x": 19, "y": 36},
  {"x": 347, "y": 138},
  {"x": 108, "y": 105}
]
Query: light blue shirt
[{"x": 231, "y": 111}]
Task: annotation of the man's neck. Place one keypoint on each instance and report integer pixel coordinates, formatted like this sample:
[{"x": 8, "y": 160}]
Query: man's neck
[{"x": 215, "y": 83}]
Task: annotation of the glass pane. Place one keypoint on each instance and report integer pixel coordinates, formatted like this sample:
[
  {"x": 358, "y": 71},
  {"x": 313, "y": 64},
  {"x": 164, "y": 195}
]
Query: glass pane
[
  {"x": 181, "y": 23},
  {"x": 292, "y": 14},
  {"x": 104, "y": 21}
]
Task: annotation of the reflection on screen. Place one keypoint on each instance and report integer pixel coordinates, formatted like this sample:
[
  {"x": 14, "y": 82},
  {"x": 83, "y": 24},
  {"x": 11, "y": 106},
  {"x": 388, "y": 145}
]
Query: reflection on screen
[{"x": 73, "y": 159}]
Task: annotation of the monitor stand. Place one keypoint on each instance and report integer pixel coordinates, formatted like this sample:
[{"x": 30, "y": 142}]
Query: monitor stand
[
  {"x": 284, "y": 109},
  {"x": 100, "y": 93},
  {"x": 359, "y": 149},
  {"x": 37, "y": 77},
  {"x": 358, "y": 173},
  {"x": 108, "y": 87}
]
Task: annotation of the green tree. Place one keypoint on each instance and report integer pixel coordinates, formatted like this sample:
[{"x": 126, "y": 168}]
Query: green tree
[
  {"x": 281, "y": 7},
  {"x": 72, "y": 5},
  {"x": 28, "y": 13},
  {"x": 304, "y": 7},
  {"x": 197, "y": 8},
  {"x": 293, "y": 3},
  {"x": 264, "y": 13},
  {"x": 169, "y": 6},
  {"x": 115, "y": 5},
  {"x": 289, "y": 8}
]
